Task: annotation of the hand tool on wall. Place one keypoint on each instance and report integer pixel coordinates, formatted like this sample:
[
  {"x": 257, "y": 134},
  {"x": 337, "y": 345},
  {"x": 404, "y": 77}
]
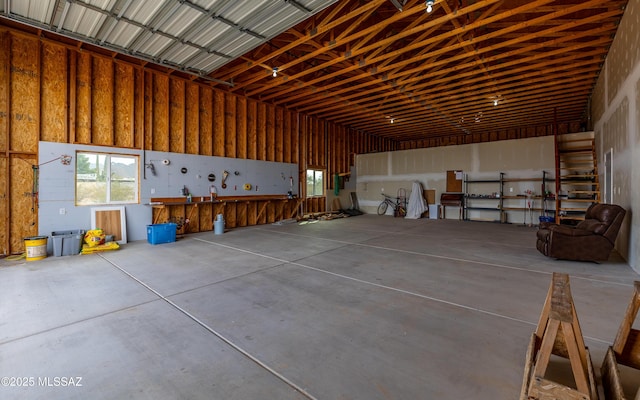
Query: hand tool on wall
[{"x": 225, "y": 174}]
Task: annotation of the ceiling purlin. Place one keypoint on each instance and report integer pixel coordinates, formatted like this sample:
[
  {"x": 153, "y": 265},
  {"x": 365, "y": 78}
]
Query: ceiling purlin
[
  {"x": 320, "y": 74},
  {"x": 354, "y": 90},
  {"x": 438, "y": 22},
  {"x": 517, "y": 119},
  {"x": 417, "y": 70},
  {"x": 351, "y": 55},
  {"x": 416, "y": 121},
  {"x": 505, "y": 55},
  {"x": 405, "y": 33},
  {"x": 469, "y": 46},
  {"x": 321, "y": 28},
  {"x": 234, "y": 68},
  {"x": 517, "y": 40},
  {"x": 534, "y": 56},
  {"x": 515, "y": 94},
  {"x": 329, "y": 95},
  {"x": 508, "y": 70},
  {"x": 510, "y": 118},
  {"x": 327, "y": 89},
  {"x": 536, "y": 72},
  {"x": 310, "y": 91}
]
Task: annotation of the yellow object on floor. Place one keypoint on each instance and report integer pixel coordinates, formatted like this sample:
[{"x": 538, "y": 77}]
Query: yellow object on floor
[
  {"x": 86, "y": 249},
  {"x": 36, "y": 248}
]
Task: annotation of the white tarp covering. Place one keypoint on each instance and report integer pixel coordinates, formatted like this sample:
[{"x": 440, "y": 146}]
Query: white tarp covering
[{"x": 417, "y": 205}]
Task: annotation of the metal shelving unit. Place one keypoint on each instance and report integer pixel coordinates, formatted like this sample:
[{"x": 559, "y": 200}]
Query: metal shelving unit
[
  {"x": 496, "y": 201},
  {"x": 484, "y": 201}
]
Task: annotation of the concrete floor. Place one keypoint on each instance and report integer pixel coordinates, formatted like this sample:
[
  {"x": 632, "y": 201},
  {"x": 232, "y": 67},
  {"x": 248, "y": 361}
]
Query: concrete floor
[{"x": 366, "y": 307}]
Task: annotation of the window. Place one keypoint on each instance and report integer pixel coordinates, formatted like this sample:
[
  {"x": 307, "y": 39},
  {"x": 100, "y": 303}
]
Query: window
[
  {"x": 103, "y": 178},
  {"x": 315, "y": 182}
]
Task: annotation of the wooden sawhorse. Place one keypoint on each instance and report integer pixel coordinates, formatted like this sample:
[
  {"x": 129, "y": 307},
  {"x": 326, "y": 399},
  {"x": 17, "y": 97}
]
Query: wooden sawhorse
[
  {"x": 625, "y": 351},
  {"x": 558, "y": 333}
]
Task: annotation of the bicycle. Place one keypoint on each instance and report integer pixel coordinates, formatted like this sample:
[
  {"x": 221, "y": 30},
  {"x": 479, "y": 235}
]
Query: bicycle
[{"x": 399, "y": 208}]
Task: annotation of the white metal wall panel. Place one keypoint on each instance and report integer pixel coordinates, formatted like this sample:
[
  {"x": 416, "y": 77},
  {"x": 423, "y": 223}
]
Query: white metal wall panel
[
  {"x": 143, "y": 11},
  {"x": 178, "y": 54},
  {"x": 123, "y": 34},
  {"x": 155, "y": 45},
  {"x": 180, "y": 20},
  {"x": 208, "y": 32},
  {"x": 33, "y": 9},
  {"x": 83, "y": 21}
]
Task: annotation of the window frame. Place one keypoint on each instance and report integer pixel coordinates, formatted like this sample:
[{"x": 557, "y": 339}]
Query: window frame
[
  {"x": 108, "y": 180},
  {"x": 323, "y": 187}
]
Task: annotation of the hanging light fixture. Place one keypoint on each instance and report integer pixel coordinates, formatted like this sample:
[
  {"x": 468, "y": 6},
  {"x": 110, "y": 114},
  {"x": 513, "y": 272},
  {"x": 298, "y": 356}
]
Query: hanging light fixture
[
  {"x": 275, "y": 72},
  {"x": 495, "y": 102},
  {"x": 429, "y": 5}
]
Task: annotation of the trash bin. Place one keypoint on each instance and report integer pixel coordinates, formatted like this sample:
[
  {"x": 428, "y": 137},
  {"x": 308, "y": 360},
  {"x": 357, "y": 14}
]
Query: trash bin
[
  {"x": 433, "y": 211},
  {"x": 218, "y": 225}
]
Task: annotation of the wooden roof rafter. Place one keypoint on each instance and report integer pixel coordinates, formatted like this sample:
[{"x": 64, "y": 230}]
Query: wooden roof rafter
[
  {"x": 382, "y": 43},
  {"x": 501, "y": 55}
]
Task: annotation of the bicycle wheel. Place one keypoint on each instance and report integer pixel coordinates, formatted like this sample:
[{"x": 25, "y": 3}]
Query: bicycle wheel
[{"x": 382, "y": 208}]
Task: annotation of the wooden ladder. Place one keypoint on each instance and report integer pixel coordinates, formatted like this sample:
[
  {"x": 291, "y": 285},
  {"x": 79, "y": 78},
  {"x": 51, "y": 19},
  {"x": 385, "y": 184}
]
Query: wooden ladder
[
  {"x": 558, "y": 333},
  {"x": 625, "y": 351},
  {"x": 577, "y": 168}
]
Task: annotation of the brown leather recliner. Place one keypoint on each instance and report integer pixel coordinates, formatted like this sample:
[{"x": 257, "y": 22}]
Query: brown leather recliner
[{"x": 590, "y": 240}]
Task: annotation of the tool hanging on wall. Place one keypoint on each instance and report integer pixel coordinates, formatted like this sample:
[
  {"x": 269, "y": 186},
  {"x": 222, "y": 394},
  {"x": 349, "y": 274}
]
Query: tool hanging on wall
[
  {"x": 34, "y": 189},
  {"x": 64, "y": 160},
  {"x": 225, "y": 174}
]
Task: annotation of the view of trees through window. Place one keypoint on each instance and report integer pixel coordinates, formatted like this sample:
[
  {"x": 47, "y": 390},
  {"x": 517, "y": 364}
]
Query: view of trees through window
[
  {"x": 315, "y": 182},
  {"x": 103, "y": 178}
]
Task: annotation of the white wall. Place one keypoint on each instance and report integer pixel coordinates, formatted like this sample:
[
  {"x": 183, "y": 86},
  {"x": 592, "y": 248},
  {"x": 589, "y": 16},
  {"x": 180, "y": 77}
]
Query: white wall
[
  {"x": 616, "y": 119},
  {"x": 57, "y": 184},
  {"x": 389, "y": 171}
]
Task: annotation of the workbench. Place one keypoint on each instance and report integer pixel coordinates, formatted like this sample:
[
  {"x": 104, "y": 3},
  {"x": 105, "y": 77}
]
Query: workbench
[{"x": 200, "y": 212}]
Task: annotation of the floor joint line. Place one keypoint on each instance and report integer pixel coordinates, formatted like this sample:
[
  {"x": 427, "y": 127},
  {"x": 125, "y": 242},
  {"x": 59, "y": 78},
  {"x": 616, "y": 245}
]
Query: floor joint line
[
  {"x": 408, "y": 292},
  {"x": 452, "y": 258},
  {"x": 242, "y": 351}
]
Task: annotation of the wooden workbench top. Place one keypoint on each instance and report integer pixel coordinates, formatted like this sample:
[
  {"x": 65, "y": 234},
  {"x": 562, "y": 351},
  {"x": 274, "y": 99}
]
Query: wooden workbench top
[{"x": 169, "y": 201}]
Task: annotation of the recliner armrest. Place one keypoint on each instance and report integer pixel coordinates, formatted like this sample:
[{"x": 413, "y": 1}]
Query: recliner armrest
[{"x": 569, "y": 231}]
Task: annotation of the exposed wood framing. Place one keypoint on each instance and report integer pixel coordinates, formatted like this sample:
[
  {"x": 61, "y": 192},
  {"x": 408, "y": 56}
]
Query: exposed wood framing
[{"x": 86, "y": 98}]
